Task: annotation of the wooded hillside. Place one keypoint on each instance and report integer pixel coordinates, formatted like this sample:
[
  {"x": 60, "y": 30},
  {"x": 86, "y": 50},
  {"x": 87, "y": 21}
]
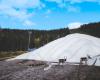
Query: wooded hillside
[{"x": 15, "y": 40}]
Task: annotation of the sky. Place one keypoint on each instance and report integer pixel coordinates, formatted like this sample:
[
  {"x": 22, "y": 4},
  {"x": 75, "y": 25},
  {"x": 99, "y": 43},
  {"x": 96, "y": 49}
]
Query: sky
[{"x": 48, "y": 14}]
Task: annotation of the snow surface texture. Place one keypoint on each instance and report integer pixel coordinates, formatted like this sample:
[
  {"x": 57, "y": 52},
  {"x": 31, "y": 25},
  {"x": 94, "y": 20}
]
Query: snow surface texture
[
  {"x": 95, "y": 60},
  {"x": 72, "y": 47}
]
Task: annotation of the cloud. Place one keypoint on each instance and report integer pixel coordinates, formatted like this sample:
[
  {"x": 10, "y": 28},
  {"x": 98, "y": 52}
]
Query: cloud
[
  {"x": 57, "y": 1},
  {"x": 68, "y": 4},
  {"x": 80, "y": 1},
  {"x": 22, "y": 4},
  {"x": 48, "y": 11},
  {"x": 74, "y": 25},
  {"x": 9, "y": 11},
  {"x": 17, "y": 9},
  {"x": 29, "y": 23},
  {"x": 73, "y": 9},
  {"x": 72, "y": 1}
]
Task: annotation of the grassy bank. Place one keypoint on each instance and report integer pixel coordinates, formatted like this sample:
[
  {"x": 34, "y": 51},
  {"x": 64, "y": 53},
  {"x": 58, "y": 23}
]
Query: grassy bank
[{"x": 4, "y": 55}]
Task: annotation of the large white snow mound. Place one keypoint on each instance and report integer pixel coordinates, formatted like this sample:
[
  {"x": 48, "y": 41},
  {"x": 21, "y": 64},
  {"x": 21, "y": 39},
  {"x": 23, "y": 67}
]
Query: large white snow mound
[{"x": 73, "y": 46}]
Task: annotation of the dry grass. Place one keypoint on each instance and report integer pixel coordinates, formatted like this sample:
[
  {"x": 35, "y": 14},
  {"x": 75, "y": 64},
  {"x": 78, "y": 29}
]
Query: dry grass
[{"x": 6, "y": 55}]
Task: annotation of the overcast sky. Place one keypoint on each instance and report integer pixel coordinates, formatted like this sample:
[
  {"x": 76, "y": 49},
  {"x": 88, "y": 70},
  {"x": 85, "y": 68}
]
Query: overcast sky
[{"x": 48, "y": 14}]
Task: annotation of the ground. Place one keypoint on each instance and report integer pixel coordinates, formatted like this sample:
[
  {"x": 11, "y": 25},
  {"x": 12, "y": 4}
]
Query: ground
[{"x": 14, "y": 70}]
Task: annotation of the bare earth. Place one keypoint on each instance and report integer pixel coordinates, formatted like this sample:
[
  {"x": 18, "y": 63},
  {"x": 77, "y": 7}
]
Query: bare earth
[{"x": 12, "y": 70}]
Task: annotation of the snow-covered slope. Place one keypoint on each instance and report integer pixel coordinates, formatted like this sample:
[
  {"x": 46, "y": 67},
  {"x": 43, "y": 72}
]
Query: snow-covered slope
[
  {"x": 95, "y": 60},
  {"x": 73, "y": 46}
]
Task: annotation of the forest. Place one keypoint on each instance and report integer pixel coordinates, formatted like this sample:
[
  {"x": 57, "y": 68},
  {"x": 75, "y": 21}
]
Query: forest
[{"x": 17, "y": 40}]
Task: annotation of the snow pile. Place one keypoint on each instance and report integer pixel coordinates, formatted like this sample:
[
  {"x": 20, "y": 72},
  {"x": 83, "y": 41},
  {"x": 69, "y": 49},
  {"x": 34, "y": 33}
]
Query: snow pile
[
  {"x": 72, "y": 47},
  {"x": 94, "y": 61}
]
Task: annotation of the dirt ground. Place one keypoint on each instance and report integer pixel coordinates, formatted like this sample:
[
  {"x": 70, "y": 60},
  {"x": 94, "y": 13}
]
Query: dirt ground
[{"x": 14, "y": 70}]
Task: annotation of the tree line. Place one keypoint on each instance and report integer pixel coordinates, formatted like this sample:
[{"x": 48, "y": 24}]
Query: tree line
[
  {"x": 17, "y": 40},
  {"x": 90, "y": 29}
]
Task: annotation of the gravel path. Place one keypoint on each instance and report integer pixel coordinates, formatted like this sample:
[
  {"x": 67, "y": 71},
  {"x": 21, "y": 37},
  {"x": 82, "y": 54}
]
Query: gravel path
[{"x": 13, "y": 71}]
